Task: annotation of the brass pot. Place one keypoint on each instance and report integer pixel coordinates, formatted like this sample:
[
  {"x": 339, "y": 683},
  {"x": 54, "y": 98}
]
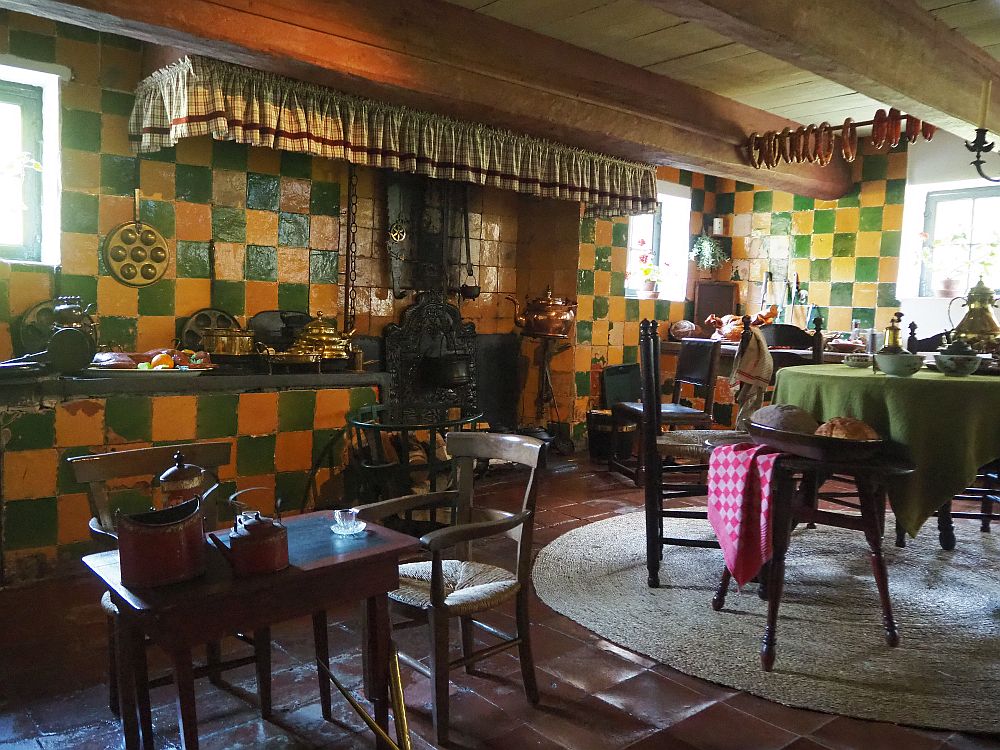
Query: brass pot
[
  {"x": 321, "y": 337},
  {"x": 545, "y": 317},
  {"x": 234, "y": 341}
]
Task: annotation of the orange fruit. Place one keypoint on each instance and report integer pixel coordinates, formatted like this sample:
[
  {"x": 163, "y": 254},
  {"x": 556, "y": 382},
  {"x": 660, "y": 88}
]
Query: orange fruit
[{"x": 162, "y": 359}]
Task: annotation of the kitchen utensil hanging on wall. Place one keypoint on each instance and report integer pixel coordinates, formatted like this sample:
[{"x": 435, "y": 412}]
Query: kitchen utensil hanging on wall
[
  {"x": 468, "y": 290},
  {"x": 135, "y": 253}
]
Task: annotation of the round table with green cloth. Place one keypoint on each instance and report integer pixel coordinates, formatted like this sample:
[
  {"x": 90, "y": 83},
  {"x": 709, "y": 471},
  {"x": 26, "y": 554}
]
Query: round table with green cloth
[{"x": 949, "y": 426}]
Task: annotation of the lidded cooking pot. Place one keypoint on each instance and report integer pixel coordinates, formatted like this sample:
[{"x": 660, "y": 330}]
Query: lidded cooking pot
[
  {"x": 320, "y": 336},
  {"x": 182, "y": 481},
  {"x": 546, "y": 316}
]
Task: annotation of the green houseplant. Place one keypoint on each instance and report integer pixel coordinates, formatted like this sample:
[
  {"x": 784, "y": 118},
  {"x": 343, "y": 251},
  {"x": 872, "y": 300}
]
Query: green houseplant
[{"x": 707, "y": 252}]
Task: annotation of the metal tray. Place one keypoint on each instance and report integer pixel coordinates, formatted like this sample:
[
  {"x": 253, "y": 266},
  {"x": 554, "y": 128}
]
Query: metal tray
[{"x": 817, "y": 447}]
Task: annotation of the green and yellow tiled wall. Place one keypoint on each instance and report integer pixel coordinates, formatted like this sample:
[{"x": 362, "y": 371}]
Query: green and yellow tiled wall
[{"x": 275, "y": 438}]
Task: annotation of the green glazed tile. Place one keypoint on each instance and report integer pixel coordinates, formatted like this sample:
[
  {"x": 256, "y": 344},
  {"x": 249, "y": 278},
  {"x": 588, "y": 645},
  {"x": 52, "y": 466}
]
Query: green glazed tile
[
  {"x": 325, "y": 199},
  {"x": 296, "y": 165},
  {"x": 261, "y": 263},
  {"x": 894, "y": 191},
  {"x": 864, "y": 315},
  {"x": 870, "y": 219},
  {"x": 890, "y": 244},
  {"x": 685, "y": 177},
  {"x": 30, "y": 523},
  {"x": 819, "y": 270},
  {"x": 802, "y": 245},
  {"x": 293, "y": 230},
  {"x": 841, "y": 293},
  {"x": 697, "y": 199},
  {"x": 118, "y": 175},
  {"x": 710, "y": 182},
  {"x": 254, "y": 455},
  {"x": 722, "y": 413},
  {"x": 875, "y": 167},
  {"x": 84, "y": 287},
  {"x": 225, "y": 510},
  {"x": 689, "y": 309},
  {"x": 117, "y": 330},
  {"x": 116, "y": 102},
  {"x": 158, "y": 298},
  {"x": 65, "y": 482},
  {"x": 631, "y": 310},
  {"x": 743, "y": 187},
  {"x": 824, "y": 221},
  {"x": 129, "y": 417},
  {"x": 823, "y": 313},
  {"x": 32, "y": 430},
  {"x": 165, "y": 155},
  {"x": 229, "y": 155},
  {"x": 79, "y": 212},
  {"x": 851, "y": 199},
  {"x": 160, "y": 214},
  {"x": 263, "y": 192},
  {"x": 584, "y": 281},
  {"x": 217, "y": 415},
  {"x": 229, "y": 296},
  {"x": 128, "y": 501},
  {"x": 617, "y": 283},
  {"x": 291, "y": 487},
  {"x": 583, "y": 383},
  {"x": 781, "y": 222},
  {"x": 193, "y": 260},
  {"x": 588, "y": 231},
  {"x": 229, "y": 224},
  {"x": 803, "y": 203},
  {"x": 293, "y": 297},
  {"x": 324, "y": 439},
  {"x": 296, "y": 410},
  {"x": 619, "y": 234},
  {"x": 124, "y": 42},
  {"x": 630, "y": 354},
  {"x": 193, "y": 183},
  {"x": 81, "y": 130},
  {"x": 725, "y": 203},
  {"x": 763, "y": 201},
  {"x": 886, "y": 295},
  {"x": 76, "y": 33},
  {"x": 661, "y": 309},
  {"x": 4, "y": 301},
  {"x": 844, "y": 244},
  {"x": 323, "y": 266},
  {"x": 601, "y": 306},
  {"x": 32, "y": 46},
  {"x": 584, "y": 331},
  {"x": 359, "y": 397},
  {"x": 866, "y": 269},
  {"x": 602, "y": 258}
]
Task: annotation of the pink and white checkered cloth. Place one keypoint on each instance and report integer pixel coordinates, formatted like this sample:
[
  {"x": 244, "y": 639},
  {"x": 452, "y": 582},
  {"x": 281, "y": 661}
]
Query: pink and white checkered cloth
[{"x": 739, "y": 505}]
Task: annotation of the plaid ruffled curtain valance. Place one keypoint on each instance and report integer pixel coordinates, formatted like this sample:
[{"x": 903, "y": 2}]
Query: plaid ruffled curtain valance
[{"x": 200, "y": 96}]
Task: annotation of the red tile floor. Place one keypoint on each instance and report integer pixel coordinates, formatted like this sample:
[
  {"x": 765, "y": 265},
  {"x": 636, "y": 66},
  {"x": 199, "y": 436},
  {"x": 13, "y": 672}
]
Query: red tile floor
[{"x": 53, "y": 691}]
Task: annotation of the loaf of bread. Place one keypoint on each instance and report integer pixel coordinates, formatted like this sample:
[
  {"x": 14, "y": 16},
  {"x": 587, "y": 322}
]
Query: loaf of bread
[
  {"x": 848, "y": 428},
  {"x": 785, "y": 417}
]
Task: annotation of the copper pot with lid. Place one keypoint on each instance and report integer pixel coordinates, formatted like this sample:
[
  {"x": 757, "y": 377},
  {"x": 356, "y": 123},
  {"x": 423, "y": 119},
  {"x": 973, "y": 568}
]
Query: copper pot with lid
[
  {"x": 546, "y": 316},
  {"x": 257, "y": 544},
  {"x": 322, "y": 337}
]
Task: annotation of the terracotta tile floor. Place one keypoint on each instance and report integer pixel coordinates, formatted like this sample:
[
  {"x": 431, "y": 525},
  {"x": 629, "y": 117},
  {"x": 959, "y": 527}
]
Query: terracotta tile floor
[{"x": 595, "y": 694}]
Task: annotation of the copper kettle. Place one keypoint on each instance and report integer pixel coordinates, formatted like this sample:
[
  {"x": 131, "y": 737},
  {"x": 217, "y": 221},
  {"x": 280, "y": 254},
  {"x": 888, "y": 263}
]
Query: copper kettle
[
  {"x": 979, "y": 328},
  {"x": 257, "y": 544},
  {"x": 545, "y": 317}
]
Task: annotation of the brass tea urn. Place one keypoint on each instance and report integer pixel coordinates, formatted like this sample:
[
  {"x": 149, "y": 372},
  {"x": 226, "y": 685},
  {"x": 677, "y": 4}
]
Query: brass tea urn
[
  {"x": 979, "y": 328},
  {"x": 545, "y": 317},
  {"x": 321, "y": 337}
]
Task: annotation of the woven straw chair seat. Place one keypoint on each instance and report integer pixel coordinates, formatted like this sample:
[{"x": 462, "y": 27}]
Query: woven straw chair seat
[
  {"x": 691, "y": 443},
  {"x": 469, "y": 587}
]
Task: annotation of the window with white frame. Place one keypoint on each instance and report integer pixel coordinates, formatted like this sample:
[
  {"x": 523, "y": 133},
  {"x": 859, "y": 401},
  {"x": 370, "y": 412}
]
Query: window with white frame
[
  {"x": 29, "y": 160},
  {"x": 658, "y": 246},
  {"x": 961, "y": 241}
]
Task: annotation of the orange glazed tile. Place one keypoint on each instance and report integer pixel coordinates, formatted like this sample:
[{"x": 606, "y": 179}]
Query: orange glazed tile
[
  {"x": 264, "y": 160},
  {"x": 262, "y": 228},
  {"x": 261, "y": 295},
  {"x": 81, "y": 96},
  {"x": 293, "y": 265},
  {"x": 27, "y": 289},
  {"x": 193, "y": 221},
  {"x": 6, "y": 345},
  {"x": 258, "y": 414},
  {"x": 174, "y": 417},
  {"x": 892, "y": 217},
  {"x": 114, "y": 134},
  {"x": 262, "y": 500},
  {"x": 295, "y": 195},
  {"x": 669, "y": 174},
  {"x": 80, "y": 423},
  {"x": 781, "y": 201},
  {"x": 293, "y": 451},
  {"x": 323, "y": 298},
  {"x": 229, "y": 188},
  {"x": 156, "y": 178},
  {"x": 230, "y": 258},
  {"x": 114, "y": 298},
  {"x": 155, "y": 331},
  {"x": 78, "y": 254},
  {"x": 331, "y": 408},
  {"x": 30, "y": 474},
  {"x": 324, "y": 233},
  {"x": 196, "y": 151},
  {"x": 81, "y": 170},
  {"x": 191, "y": 295},
  {"x": 112, "y": 211},
  {"x": 74, "y": 518}
]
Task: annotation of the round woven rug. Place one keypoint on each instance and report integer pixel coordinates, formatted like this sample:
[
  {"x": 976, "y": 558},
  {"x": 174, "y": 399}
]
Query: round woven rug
[{"x": 831, "y": 652}]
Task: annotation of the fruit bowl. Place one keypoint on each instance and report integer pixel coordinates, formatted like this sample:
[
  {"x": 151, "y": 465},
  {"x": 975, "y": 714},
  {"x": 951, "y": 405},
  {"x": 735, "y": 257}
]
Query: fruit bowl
[
  {"x": 899, "y": 365},
  {"x": 957, "y": 365}
]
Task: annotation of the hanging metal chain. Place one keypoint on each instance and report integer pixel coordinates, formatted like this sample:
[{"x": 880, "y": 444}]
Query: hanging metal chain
[{"x": 351, "y": 268}]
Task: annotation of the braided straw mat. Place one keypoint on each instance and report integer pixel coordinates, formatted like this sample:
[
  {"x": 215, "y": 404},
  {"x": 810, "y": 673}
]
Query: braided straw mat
[{"x": 831, "y": 652}]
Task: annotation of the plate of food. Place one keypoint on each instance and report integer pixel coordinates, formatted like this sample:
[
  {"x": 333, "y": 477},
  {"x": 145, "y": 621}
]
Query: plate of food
[
  {"x": 172, "y": 362},
  {"x": 794, "y": 430}
]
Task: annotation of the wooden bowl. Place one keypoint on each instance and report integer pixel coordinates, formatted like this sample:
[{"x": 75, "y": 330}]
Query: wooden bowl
[{"x": 817, "y": 447}]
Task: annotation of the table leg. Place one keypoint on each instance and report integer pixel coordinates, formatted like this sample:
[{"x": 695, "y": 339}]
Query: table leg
[
  {"x": 782, "y": 517},
  {"x": 946, "y": 527},
  {"x": 125, "y": 636},
  {"x": 378, "y": 637},
  {"x": 871, "y": 497},
  {"x": 141, "y": 672},
  {"x": 187, "y": 714},
  {"x": 321, "y": 640},
  {"x": 262, "y": 656}
]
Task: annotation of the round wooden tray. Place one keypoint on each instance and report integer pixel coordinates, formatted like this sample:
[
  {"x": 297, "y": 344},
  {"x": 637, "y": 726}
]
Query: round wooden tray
[{"x": 817, "y": 447}]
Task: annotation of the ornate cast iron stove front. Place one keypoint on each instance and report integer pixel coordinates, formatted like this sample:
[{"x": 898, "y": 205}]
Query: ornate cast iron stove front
[{"x": 431, "y": 332}]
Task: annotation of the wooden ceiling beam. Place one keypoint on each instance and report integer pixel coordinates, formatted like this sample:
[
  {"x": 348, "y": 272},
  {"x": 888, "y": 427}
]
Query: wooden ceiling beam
[
  {"x": 893, "y": 51},
  {"x": 438, "y": 57}
]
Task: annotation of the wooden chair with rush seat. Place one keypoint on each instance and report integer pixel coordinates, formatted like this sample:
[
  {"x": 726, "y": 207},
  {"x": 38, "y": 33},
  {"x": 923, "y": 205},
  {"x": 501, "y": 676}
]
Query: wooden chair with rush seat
[{"x": 435, "y": 591}]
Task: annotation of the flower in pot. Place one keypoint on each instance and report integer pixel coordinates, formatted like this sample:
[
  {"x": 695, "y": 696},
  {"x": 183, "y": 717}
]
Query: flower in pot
[
  {"x": 649, "y": 274},
  {"x": 950, "y": 264},
  {"x": 707, "y": 253}
]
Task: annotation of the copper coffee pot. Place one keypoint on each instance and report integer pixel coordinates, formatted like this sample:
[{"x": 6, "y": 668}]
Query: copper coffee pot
[
  {"x": 979, "y": 328},
  {"x": 545, "y": 317}
]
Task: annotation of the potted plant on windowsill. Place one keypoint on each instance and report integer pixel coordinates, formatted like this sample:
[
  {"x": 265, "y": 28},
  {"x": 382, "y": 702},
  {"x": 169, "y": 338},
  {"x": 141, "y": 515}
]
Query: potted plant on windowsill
[
  {"x": 953, "y": 260},
  {"x": 650, "y": 274}
]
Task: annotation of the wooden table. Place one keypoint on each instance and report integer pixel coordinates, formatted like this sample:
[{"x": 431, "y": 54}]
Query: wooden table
[{"x": 325, "y": 570}]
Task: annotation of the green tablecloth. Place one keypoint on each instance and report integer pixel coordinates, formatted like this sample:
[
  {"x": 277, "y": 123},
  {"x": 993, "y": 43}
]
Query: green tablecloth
[{"x": 949, "y": 426}]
